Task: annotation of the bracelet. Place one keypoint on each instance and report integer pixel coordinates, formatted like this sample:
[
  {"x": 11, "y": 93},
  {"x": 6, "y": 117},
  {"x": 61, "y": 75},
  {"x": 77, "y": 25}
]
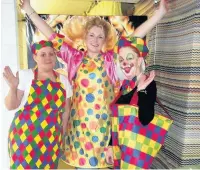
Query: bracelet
[
  {"x": 31, "y": 13},
  {"x": 143, "y": 91}
]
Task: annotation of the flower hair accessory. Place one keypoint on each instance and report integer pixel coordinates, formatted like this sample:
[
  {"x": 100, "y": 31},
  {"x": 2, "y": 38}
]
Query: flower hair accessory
[{"x": 41, "y": 44}]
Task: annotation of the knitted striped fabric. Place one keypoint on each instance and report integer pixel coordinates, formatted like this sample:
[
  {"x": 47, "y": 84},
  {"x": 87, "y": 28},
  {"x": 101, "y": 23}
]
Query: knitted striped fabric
[{"x": 175, "y": 53}]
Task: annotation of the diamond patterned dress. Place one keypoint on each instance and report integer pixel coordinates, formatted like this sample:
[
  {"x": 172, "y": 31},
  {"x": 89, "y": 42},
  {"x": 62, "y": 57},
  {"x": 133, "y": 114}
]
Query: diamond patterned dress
[{"x": 34, "y": 139}]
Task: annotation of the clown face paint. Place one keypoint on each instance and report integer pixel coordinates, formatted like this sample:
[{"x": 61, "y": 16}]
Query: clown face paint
[{"x": 128, "y": 61}]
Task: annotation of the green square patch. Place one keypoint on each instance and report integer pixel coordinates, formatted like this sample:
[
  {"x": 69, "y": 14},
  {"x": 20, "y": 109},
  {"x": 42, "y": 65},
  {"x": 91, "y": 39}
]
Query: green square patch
[
  {"x": 138, "y": 146},
  {"x": 157, "y": 146},
  {"x": 146, "y": 141},
  {"x": 149, "y": 151},
  {"x": 160, "y": 122},
  {"x": 125, "y": 165}
]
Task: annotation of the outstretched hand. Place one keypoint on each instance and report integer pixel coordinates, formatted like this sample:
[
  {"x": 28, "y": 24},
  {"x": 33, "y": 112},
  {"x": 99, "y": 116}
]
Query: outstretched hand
[
  {"x": 12, "y": 80},
  {"x": 144, "y": 80}
]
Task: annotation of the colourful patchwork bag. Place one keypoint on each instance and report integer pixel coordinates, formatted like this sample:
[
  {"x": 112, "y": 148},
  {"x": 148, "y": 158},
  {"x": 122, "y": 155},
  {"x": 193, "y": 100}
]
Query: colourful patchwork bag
[{"x": 134, "y": 145}]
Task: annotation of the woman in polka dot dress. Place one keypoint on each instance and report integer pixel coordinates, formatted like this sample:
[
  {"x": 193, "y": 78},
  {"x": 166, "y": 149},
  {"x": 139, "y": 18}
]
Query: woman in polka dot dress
[
  {"x": 89, "y": 126},
  {"x": 93, "y": 75}
]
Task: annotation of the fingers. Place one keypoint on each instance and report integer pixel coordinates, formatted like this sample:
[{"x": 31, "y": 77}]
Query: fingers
[
  {"x": 5, "y": 77},
  {"x": 109, "y": 156},
  {"x": 152, "y": 74},
  {"x": 17, "y": 74},
  {"x": 107, "y": 159},
  {"x": 110, "y": 160},
  {"x": 20, "y": 3},
  {"x": 146, "y": 80},
  {"x": 164, "y": 3},
  {"x": 150, "y": 78},
  {"x": 8, "y": 72}
]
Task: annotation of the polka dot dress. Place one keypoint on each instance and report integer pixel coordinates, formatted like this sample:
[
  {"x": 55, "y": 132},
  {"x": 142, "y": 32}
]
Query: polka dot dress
[{"x": 88, "y": 131}]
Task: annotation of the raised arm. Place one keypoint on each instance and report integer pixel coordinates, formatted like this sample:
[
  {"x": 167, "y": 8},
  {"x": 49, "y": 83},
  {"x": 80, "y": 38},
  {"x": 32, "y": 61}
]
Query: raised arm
[
  {"x": 148, "y": 25},
  {"x": 35, "y": 18},
  {"x": 14, "y": 96}
]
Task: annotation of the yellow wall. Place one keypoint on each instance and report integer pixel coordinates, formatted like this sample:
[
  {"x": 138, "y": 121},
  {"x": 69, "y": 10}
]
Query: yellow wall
[{"x": 22, "y": 40}]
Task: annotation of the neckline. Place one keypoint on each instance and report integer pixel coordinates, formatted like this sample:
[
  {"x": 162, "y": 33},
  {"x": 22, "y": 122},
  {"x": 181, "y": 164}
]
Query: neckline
[{"x": 35, "y": 71}]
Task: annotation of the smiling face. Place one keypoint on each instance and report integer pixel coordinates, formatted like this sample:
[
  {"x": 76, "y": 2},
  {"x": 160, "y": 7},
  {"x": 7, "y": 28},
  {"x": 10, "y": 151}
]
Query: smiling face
[
  {"x": 45, "y": 58},
  {"x": 95, "y": 39},
  {"x": 129, "y": 62}
]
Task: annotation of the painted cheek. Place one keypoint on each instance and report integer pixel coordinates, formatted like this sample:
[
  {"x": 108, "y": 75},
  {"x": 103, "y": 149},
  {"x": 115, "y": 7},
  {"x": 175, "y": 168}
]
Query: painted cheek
[{"x": 124, "y": 64}]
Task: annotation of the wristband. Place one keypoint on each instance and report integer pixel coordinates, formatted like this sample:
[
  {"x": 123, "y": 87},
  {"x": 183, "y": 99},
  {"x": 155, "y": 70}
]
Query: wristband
[{"x": 31, "y": 13}]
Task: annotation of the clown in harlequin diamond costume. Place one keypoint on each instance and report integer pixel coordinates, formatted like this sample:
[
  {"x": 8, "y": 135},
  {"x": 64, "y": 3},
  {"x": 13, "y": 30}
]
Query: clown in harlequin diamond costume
[
  {"x": 137, "y": 133},
  {"x": 35, "y": 135}
]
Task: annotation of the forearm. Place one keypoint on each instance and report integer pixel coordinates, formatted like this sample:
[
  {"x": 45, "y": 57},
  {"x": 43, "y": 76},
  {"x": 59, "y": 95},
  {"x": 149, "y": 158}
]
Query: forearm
[
  {"x": 44, "y": 28},
  {"x": 11, "y": 100},
  {"x": 148, "y": 25},
  {"x": 65, "y": 121},
  {"x": 65, "y": 116}
]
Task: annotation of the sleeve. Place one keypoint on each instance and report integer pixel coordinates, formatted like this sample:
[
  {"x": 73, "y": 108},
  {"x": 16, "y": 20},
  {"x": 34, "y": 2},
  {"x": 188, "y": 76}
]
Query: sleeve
[
  {"x": 57, "y": 40},
  {"x": 146, "y": 102},
  {"x": 25, "y": 76},
  {"x": 64, "y": 51},
  {"x": 64, "y": 80}
]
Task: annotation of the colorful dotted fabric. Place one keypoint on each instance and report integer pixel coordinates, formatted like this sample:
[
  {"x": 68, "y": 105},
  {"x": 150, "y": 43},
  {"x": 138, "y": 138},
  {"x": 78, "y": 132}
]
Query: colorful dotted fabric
[
  {"x": 35, "y": 134},
  {"x": 135, "y": 145},
  {"x": 37, "y": 46},
  {"x": 89, "y": 127},
  {"x": 57, "y": 40}
]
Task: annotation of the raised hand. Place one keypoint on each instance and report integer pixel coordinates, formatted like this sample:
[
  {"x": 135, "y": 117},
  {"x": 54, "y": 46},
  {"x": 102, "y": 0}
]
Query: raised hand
[
  {"x": 44, "y": 28},
  {"x": 12, "y": 80},
  {"x": 163, "y": 7},
  {"x": 24, "y": 4},
  {"x": 144, "y": 80}
]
